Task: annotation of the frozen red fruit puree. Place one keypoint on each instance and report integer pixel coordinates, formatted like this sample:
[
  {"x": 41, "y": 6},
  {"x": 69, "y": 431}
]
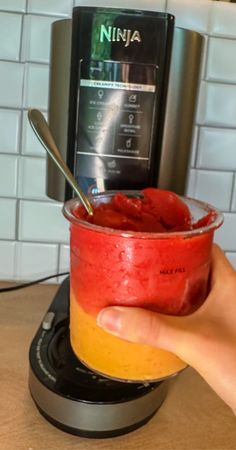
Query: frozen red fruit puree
[{"x": 157, "y": 211}]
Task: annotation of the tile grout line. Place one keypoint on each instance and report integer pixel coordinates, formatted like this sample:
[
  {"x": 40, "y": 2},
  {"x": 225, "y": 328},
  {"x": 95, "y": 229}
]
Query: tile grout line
[{"x": 232, "y": 193}]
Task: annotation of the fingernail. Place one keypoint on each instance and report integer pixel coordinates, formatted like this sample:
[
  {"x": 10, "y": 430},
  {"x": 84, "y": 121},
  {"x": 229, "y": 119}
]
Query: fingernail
[{"x": 110, "y": 320}]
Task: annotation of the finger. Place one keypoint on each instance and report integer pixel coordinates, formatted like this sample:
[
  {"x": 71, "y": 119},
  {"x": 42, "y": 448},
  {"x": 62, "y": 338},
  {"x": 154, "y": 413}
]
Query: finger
[{"x": 146, "y": 327}]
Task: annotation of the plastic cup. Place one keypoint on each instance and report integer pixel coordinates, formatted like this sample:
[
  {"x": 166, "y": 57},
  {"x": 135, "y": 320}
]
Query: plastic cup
[{"x": 163, "y": 272}]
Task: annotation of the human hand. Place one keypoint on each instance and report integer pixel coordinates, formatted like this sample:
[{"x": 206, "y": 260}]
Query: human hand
[{"x": 206, "y": 339}]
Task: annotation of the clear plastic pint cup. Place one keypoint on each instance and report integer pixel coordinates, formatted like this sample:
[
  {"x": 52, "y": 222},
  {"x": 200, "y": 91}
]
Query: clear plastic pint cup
[{"x": 163, "y": 272}]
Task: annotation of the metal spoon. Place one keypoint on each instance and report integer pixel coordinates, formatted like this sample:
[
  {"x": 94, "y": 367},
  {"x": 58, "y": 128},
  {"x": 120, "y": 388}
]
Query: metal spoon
[{"x": 43, "y": 133}]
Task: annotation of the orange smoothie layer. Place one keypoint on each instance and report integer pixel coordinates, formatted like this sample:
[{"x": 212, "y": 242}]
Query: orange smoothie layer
[{"x": 115, "y": 357}]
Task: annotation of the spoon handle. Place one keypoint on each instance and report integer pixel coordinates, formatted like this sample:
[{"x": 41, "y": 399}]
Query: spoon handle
[{"x": 42, "y": 131}]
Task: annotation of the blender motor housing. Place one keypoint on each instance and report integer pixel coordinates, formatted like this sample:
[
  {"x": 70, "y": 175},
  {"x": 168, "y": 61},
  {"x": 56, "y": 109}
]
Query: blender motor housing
[{"x": 123, "y": 89}]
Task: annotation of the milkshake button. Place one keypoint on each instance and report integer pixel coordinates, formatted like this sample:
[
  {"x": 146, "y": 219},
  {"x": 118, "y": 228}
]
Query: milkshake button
[{"x": 48, "y": 320}]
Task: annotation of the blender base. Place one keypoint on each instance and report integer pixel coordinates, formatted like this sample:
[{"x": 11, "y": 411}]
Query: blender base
[{"x": 76, "y": 399}]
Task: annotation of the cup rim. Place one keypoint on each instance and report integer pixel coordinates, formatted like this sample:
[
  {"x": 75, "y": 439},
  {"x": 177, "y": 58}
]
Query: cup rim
[{"x": 70, "y": 204}]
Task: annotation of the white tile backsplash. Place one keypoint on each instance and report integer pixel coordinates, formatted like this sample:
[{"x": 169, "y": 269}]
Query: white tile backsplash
[
  {"x": 221, "y": 62},
  {"x": 36, "y": 38},
  {"x": 234, "y": 196},
  {"x": 32, "y": 178},
  {"x": 8, "y": 175},
  {"x": 35, "y": 261},
  {"x": 225, "y": 236},
  {"x": 191, "y": 183},
  {"x": 13, "y": 5},
  {"x": 11, "y": 84},
  {"x": 9, "y": 130},
  {"x": 64, "y": 261},
  {"x": 42, "y": 222},
  {"x": 10, "y": 34},
  {"x": 193, "y": 15},
  {"x": 148, "y": 5},
  {"x": 232, "y": 258},
  {"x": 36, "y": 86},
  {"x": 30, "y": 143},
  {"x": 34, "y": 235},
  {"x": 214, "y": 187},
  {"x": 223, "y": 19},
  {"x": 54, "y": 7},
  {"x": 217, "y": 149},
  {"x": 217, "y": 105},
  {"x": 8, "y": 219},
  {"x": 8, "y": 256},
  {"x": 194, "y": 146}
]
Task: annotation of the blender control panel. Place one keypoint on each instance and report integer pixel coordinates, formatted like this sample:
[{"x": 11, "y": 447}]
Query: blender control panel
[
  {"x": 120, "y": 62},
  {"x": 115, "y": 119}
]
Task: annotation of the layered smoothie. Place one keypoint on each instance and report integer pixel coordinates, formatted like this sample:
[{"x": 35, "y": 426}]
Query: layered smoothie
[{"x": 150, "y": 249}]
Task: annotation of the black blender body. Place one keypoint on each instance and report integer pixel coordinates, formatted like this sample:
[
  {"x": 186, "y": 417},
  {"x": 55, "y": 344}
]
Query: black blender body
[
  {"x": 119, "y": 76},
  {"x": 122, "y": 99}
]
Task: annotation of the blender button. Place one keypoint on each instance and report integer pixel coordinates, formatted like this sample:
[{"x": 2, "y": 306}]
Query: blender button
[{"x": 48, "y": 320}]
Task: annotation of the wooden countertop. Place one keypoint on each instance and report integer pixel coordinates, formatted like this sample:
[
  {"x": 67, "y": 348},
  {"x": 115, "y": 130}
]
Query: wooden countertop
[{"x": 192, "y": 416}]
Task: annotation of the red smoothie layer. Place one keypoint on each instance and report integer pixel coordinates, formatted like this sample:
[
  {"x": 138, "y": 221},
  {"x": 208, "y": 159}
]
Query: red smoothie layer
[
  {"x": 159, "y": 211},
  {"x": 163, "y": 275}
]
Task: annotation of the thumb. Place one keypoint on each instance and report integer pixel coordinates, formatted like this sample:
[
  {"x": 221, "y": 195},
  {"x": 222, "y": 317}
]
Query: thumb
[{"x": 146, "y": 327}]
